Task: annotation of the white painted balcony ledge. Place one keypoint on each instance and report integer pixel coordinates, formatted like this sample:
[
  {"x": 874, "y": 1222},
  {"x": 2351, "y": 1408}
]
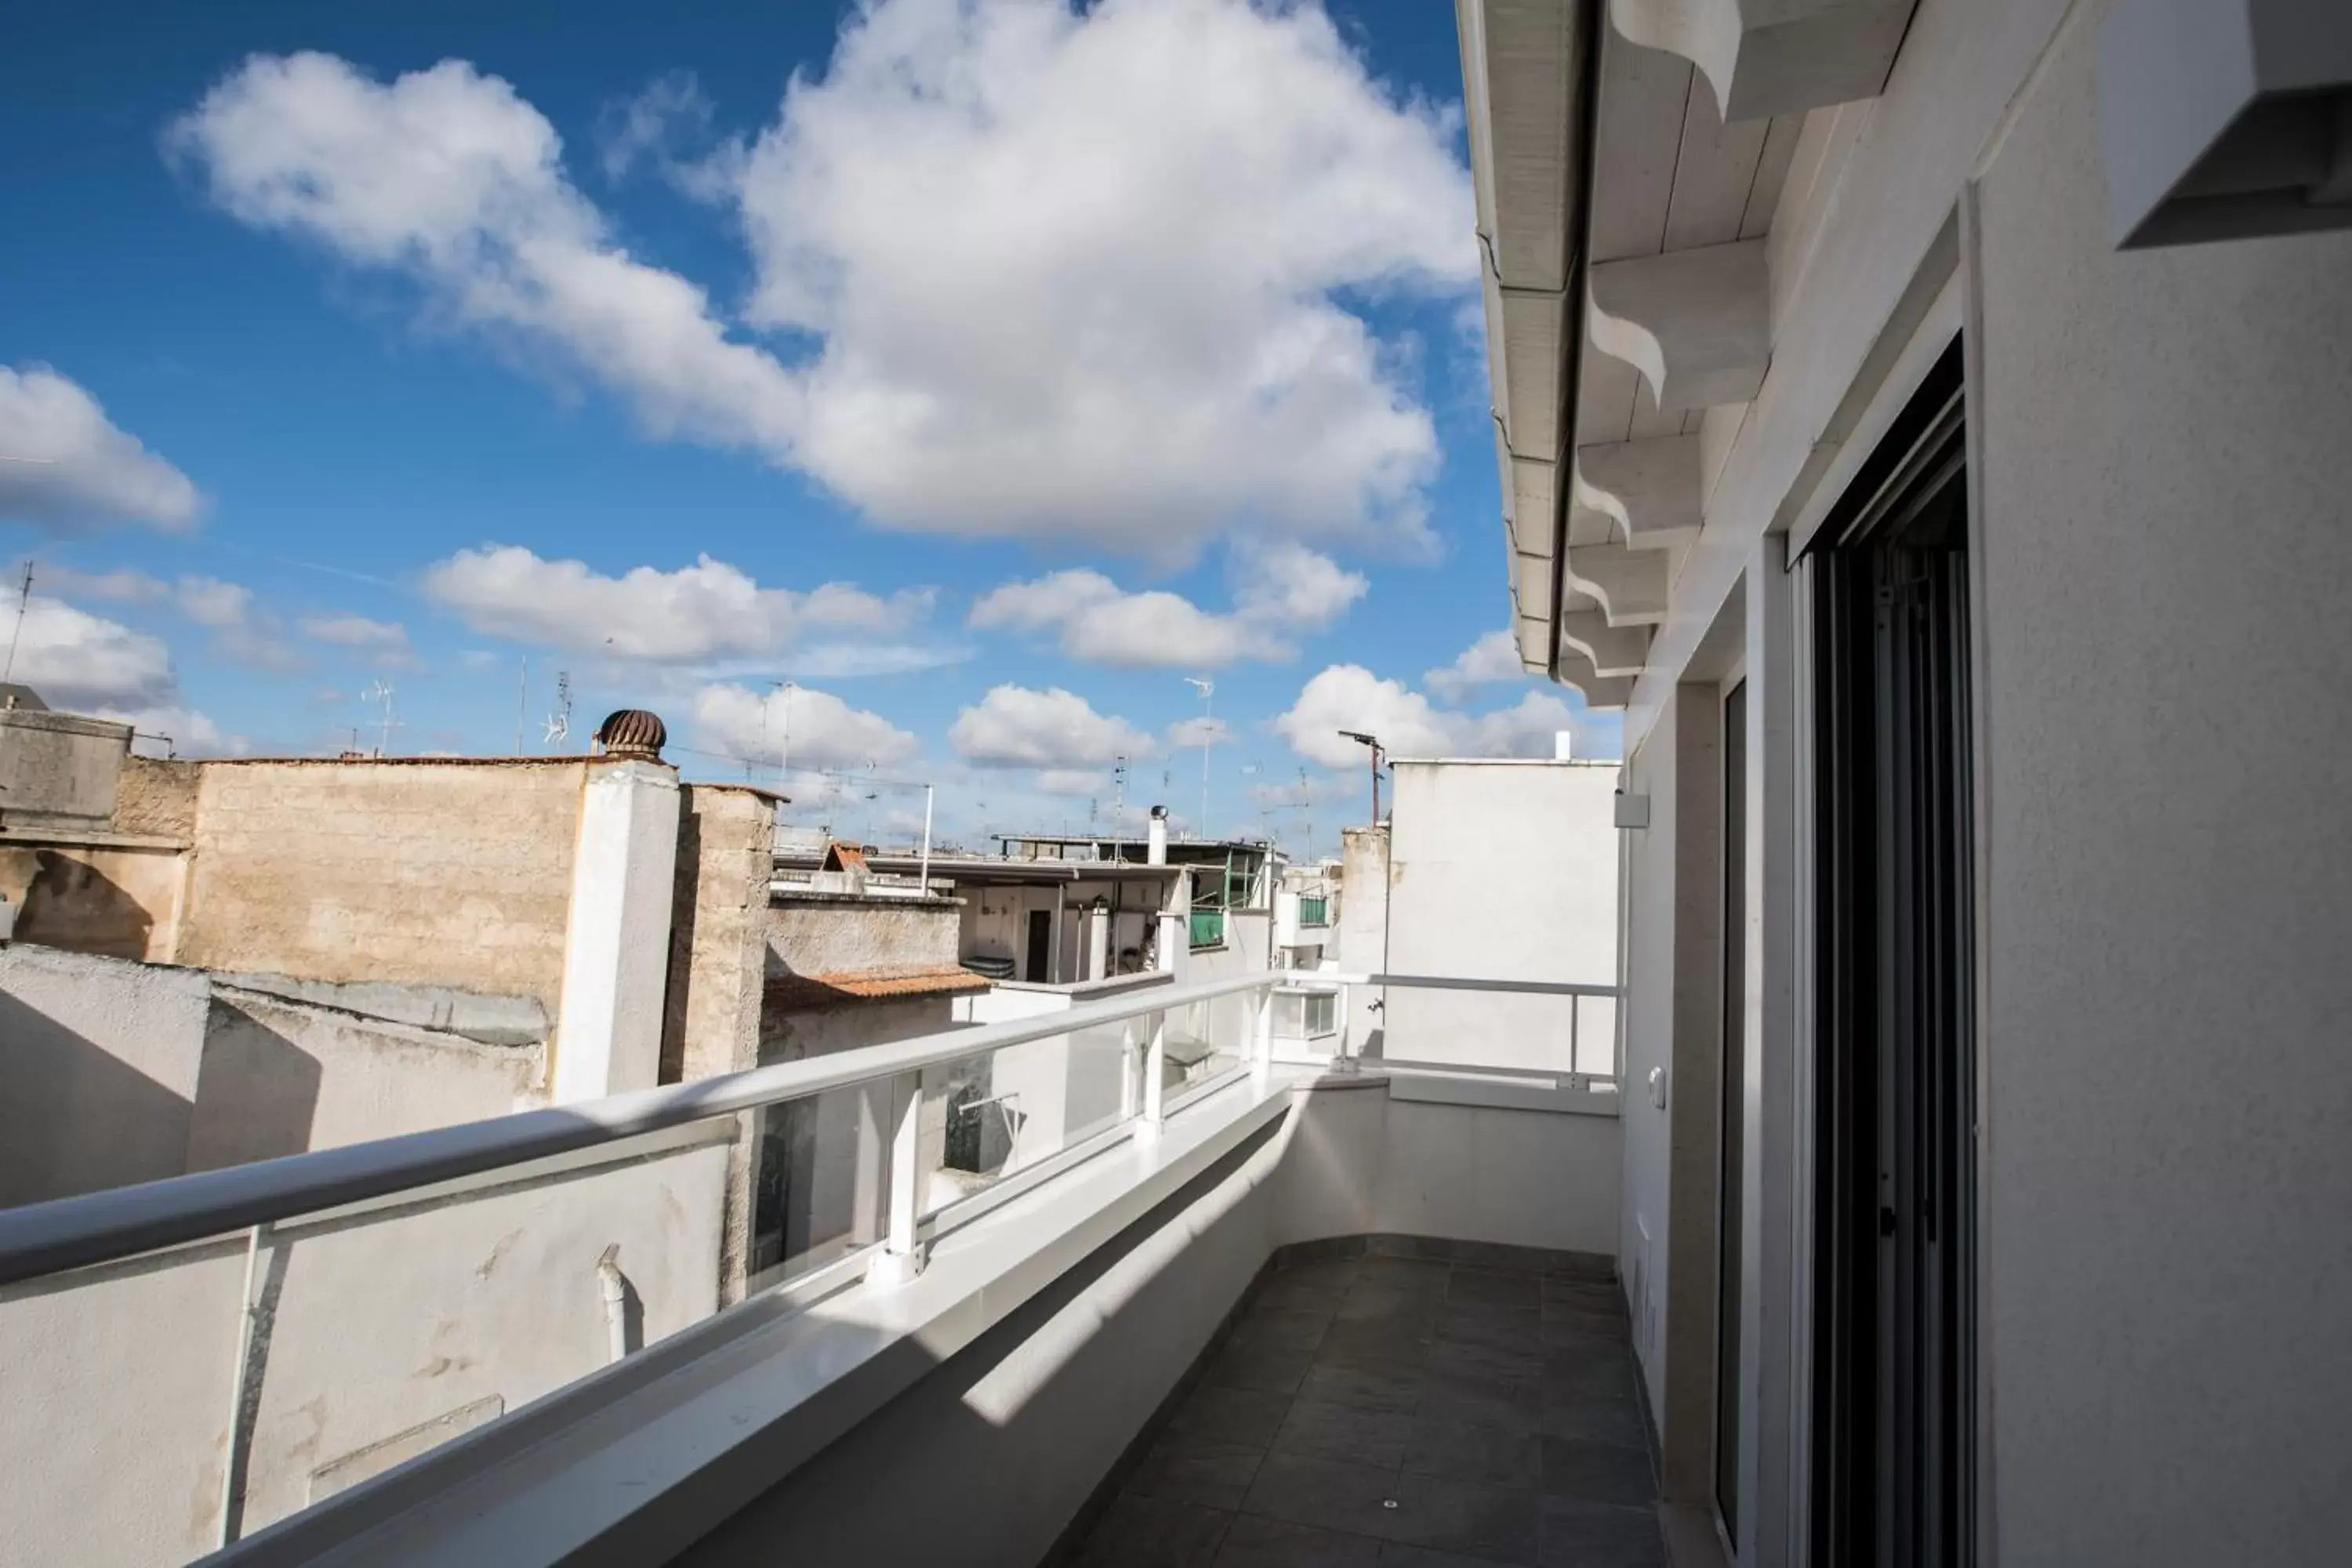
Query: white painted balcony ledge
[{"x": 637, "y": 1463}]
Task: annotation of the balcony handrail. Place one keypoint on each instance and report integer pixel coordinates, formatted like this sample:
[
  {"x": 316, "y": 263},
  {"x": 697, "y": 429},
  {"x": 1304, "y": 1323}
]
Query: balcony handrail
[
  {"x": 1319, "y": 979},
  {"x": 44, "y": 1238}
]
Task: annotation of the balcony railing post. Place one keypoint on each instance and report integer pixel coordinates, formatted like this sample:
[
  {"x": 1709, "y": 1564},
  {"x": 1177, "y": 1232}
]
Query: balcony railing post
[
  {"x": 1130, "y": 1074},
  {"x": 1155, "y": 1076},
  {"x": 1343, "y": 1053},
  {"x": 901, "y": 1257},
  {"x": 1261, "y": 1029},
  {"x": 1575, "y": 1017}
]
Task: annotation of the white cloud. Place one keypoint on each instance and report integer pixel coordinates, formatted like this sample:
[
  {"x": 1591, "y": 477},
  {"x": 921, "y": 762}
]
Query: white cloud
[
  {"x": 1014, "y": 727},
  {"x": 819, "y": 729},
  {"x": 121, "y": 586},
  {"x": 446, "y": 175},
  {"x": 1491, "y": 660},
  {"x": 239, "y": 627},
  {"x": 63, "y": 464},
  {"x": 1190, "y": 734},
  {"x": 1350, "y": 697},
  {"x": 1072, "y": 781},
  {"x": 1150, "y": 208},
  {"x": 356, "y": 631},
  {"x": 709, "y": 610},
  {"x": 649, "y": 126},
  {"x": 383, "y": 643},
  {"x": 82, "y": 663},
  {"x": 1285, "y": 590},
  {"x": 1068, "y": 272}
]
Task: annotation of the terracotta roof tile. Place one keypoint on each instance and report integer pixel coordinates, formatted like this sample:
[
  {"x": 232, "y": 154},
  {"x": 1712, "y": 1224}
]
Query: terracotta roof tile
[{"x": 833, "y": 989}]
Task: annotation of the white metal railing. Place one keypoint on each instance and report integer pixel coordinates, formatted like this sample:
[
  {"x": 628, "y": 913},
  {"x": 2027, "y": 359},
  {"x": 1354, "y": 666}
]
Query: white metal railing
[
  {"x": 1316, "y": 981},
  {"x": 98, "y": 1228},
  {"x": 52, "y": 1238}
]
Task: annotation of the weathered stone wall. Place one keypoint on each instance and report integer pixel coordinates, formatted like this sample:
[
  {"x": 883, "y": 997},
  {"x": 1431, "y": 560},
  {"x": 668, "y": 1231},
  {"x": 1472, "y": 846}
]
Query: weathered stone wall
[
  {"x": 121, "y": 900},
  {"x": 824, "y": 933},
  {"x": 157, "y": 798},
  {"x": 425, "y": 873},
  {"x": 726, "y": 855}
]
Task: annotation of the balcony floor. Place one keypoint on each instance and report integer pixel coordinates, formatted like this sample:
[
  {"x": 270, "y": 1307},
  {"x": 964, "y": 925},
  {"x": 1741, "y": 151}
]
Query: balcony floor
[{"x": 1402, "y": 1410}]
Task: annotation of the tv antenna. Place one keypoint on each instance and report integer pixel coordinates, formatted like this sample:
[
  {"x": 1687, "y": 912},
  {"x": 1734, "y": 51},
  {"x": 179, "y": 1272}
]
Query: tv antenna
[
  {"x": 381, "y": 693},
  {"x": 23, "y": 603},
  {"x": 1208, "y": 690},
  {"x": 559, "y": 724}
]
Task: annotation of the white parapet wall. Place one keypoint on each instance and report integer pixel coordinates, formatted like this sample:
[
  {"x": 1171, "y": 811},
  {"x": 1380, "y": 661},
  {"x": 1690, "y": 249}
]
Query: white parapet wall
[{"x": 616, "y": 941}]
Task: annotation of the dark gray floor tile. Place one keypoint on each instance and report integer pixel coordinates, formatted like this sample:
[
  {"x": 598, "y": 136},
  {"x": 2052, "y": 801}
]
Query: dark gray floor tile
[
  {"x": 1325, "y": 1493},
  {"x": 1596, "y": 1535},
  {"x": 1585, "y": 1333},
  {"x": 1615, "y": 1421},
  {"x": 1481, "y": 1400},
  {"x": 1582, "y": 1295},
  {"x": 1370, "y": 1389},
  {"x": 1400, "y": 1554},
  {"x": 1369, "y": 1303},
  {"x": 1494, "y": 1288},
  {"x": 1590, "y": 1371},
  {"x": 1471, "y": 1357},
  {"x": 1415, "y": 1274},
  {"x": 1593, "y": 1266},
  {"x": 1285, "y": 1324},
  {"x": 1598, "y": 1472},
  {"x": 1465, "y": 1516},
  {"x": 1328, "y": 1274},
  {"x": 1246, "y": 1415},
  {"x": 1325, "y": 1430},
  {"x": 1518, "y": 1327},
  {"x": 1275, "y": 1371},
  {"x": 1468, "y": 1452},
  {"x": 1385, "y": 1343},
  {"x": 1256, "y": 1542},
  {"x": 1191, "y": 1468},
  {"x": 1155, "y": 1533}
]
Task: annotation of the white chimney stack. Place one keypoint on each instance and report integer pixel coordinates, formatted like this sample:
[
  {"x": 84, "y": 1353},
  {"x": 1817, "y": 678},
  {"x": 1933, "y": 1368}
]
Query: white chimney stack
[
  {"x": 1158, "y": 854},
  {"x": 1563, "y": 743}
]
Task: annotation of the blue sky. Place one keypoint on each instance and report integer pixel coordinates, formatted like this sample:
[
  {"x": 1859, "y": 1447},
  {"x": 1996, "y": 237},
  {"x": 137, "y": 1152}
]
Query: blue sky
[{"x": 1013, "y": 366}]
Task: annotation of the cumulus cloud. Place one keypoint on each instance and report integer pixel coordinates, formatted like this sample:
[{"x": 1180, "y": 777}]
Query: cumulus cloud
[
  {"x": 383, "y": 643},
  {"x": 709, "y": 610},
  {"x": 651, "y": 125},
  {"x": 448, "y": 177},
  {"x": 799, "y": 726},
  {"x": 240, "y": 627},
  {"x": 64, "y": 464},
  {"x": 1151, "y": 208},
  {"x": 1491, "y": 660},
  {"x": 83, "y": 663},
  {"x": 1014, "y": 727},
  {"x": 1283, "y": 590},
  {"x": 1069, "y": 782},
  {"x": 1070, "y": 271},
  {"x": 1350, "y": 697}
]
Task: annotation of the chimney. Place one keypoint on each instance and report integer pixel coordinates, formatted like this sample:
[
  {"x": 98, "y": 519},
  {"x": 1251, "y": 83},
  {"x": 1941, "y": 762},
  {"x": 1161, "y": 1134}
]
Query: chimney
[
  {"x": 1157, "y": 855},
  {"x": 1563, "y": 744}
]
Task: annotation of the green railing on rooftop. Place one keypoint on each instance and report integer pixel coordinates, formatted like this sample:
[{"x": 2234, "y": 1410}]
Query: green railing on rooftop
[{"x": 1208, "y": 928}]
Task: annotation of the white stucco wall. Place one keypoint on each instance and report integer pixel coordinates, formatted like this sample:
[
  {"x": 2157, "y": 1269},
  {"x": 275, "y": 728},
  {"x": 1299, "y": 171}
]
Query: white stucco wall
[
  {"x": 2167, "y": 541},
  {"x": 1502, "y": 870},
  {"x": 114, "y": 1431},
  {"x": 1641, "y": 1259},
  {"x": 617, "y": 938},
  {"x": 98, "y": 1063}
]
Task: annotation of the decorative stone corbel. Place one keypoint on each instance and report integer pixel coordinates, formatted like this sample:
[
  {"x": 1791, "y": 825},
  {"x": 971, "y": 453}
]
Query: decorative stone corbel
[
  {"x": 1649, "y": 487},
  {"x": 1697, "y": 323},
  {"x": 1631, "y": 584},
  {"x": 1600, "y": 690},
  {"x": 1612, "y": 650},
  {"x": 1764, "y": 58}
]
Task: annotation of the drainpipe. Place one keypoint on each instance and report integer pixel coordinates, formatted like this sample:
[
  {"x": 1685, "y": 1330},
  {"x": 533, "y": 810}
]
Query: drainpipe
[{"x": 615, "y": 1291}]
